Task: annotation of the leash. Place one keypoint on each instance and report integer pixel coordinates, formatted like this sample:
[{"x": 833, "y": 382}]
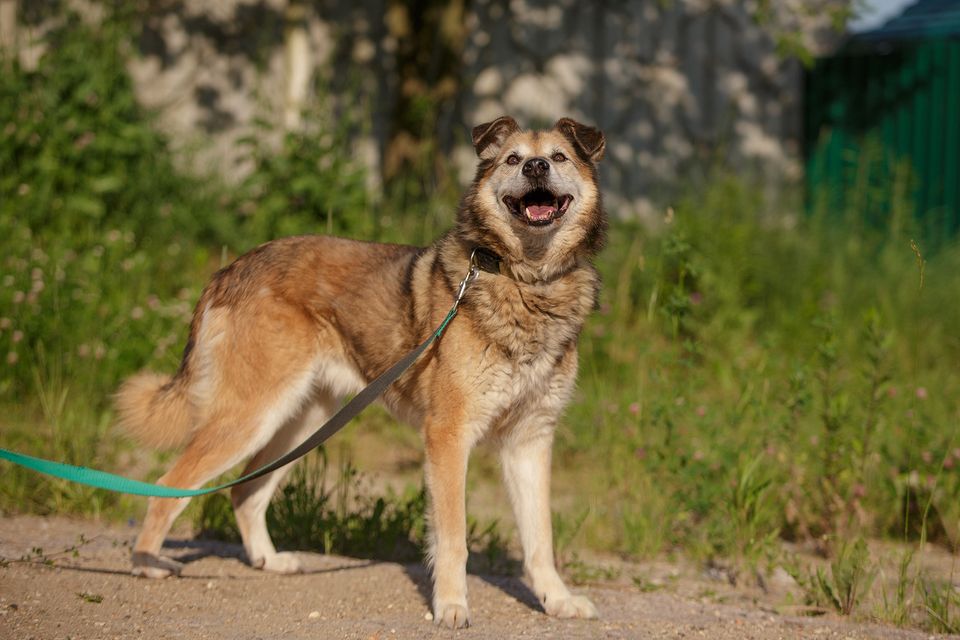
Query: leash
[{"x": 112, "y": 482}]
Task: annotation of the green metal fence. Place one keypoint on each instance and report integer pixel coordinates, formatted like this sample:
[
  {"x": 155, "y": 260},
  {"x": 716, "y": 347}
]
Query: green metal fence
[{"x": 882, "y": 131}]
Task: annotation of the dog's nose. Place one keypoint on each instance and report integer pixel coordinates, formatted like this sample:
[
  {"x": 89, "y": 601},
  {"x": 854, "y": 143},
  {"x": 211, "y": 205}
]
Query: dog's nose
[{"x": 536, "y": 167}]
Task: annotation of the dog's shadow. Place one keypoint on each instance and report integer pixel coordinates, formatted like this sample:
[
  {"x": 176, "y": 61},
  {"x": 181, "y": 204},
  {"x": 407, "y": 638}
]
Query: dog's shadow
[
  {"x": 511, "y": 585},
  {"x": 200, "y": 548},
  {"x": 418, "y": 574}
]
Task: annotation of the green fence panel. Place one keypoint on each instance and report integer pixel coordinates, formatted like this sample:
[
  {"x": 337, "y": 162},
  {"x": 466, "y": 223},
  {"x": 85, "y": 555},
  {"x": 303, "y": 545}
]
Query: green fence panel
[{"x": 870, "y": 111}]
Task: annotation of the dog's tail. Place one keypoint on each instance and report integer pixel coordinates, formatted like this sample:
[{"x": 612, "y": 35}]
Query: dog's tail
[{"x": 155, "y": 409}]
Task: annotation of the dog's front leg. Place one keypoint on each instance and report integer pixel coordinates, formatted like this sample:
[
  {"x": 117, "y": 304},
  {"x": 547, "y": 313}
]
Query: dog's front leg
[
  {"x": 526, "y": 470},
  {"x": 447, "y": 449}
]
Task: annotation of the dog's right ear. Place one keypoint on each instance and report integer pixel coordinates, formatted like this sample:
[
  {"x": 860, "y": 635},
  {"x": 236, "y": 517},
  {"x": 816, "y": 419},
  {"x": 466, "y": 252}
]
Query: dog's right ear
[{"x": 489, "y": 137}]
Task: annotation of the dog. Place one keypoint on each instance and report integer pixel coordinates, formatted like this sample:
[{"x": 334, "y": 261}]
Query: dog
[{"x": 281, "y": 335}]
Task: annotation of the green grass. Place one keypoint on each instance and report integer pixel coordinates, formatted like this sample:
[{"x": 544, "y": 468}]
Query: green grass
[{"x": 754, "y": 374}]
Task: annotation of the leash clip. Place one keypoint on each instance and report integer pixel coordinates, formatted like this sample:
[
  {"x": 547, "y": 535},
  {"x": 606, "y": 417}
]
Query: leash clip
[{"x": 472, "y": 275}]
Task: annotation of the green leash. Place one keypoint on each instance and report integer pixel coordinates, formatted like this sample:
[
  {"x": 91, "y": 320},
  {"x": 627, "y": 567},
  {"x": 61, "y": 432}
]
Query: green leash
[{"x": 112, "y": 482}]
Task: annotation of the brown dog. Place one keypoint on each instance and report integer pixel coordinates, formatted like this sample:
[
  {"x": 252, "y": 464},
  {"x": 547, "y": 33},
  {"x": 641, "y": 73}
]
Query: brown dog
[{"x": 282, "y": 334}]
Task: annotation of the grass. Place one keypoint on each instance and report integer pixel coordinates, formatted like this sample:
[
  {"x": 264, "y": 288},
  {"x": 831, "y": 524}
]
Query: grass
[{"x": 755, "y": 374}]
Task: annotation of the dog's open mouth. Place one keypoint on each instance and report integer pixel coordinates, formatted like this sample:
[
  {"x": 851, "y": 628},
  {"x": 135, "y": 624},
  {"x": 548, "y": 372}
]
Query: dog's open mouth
[{"x": 538, "y": 207}]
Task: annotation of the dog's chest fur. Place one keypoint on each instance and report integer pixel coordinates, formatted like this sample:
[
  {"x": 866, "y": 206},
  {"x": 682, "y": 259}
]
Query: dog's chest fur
[{"x": 530, "y": 336}]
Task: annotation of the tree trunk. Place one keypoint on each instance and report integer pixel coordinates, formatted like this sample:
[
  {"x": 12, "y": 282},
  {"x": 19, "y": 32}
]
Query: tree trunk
[{"x": 299, "y": 64}]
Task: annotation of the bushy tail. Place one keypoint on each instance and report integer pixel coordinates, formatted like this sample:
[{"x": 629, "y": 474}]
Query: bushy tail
[{"x": 155, "y": 410}]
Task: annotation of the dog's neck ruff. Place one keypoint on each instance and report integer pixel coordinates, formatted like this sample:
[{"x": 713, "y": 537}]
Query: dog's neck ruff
[{"x": 491, "y": 262}]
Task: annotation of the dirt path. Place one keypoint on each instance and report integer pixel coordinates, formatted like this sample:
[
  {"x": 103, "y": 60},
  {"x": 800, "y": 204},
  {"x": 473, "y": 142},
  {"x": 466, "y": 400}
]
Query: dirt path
[{"x": 91, "y": 595}]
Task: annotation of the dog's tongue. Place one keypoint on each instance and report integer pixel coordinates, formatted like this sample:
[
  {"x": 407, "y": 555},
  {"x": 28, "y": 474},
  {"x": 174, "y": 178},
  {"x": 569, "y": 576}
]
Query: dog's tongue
[{"x": 538, "y": 212}]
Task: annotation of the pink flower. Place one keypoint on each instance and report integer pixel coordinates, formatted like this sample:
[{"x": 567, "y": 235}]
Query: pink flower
[
  {"x": 696, "y": 298},
  {"x": 922, "y": 393},
  {"x": 634, "y": 408},
  {"x": 701, "y": 410},
  {"x": 892, "y": 392}
]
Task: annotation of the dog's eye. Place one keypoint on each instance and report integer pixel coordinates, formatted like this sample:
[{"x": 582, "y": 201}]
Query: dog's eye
[
  {"x": 513, "y": 159},
  {"x": 559, "y": 157}
]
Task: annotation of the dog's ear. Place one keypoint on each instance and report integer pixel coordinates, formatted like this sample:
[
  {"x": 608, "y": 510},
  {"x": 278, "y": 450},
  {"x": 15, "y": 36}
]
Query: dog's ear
[
  {"x": 489, "y": 137},
  {"x": 589, "y": 141}
]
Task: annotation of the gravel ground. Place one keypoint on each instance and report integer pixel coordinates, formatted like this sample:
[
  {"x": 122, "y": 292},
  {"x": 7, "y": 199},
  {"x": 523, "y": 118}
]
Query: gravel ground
[{"x": 91, "y": 595}]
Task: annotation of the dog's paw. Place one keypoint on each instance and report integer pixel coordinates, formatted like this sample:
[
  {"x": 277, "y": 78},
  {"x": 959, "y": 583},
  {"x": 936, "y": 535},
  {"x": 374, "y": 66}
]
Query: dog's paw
[
  {"x": 451, "y": 616},
  {"x": 147, "y": 565},
  {"x": 284, "y": 562},
  {"x": 571, "y": 607}
]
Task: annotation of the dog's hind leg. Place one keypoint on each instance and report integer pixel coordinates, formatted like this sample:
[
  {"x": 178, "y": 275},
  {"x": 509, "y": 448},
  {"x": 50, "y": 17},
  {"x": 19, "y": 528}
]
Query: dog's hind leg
[
  {"x": 250, "y": 500},
  {"x": 205, "y": 458},
  {"x": 230, "y": 434}
]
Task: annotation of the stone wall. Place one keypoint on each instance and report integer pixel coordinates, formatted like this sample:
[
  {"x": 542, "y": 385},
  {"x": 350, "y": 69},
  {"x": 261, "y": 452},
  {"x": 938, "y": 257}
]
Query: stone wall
[{"x": 678, "y": 86}]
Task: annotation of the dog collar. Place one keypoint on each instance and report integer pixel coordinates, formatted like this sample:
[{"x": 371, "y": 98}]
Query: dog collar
[{"x": 488, "y": 261}]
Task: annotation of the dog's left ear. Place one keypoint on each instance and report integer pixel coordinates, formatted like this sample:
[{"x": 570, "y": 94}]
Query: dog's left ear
[
  {"x": 490, "y": 136},
  {"x": 588, "y": 140}
]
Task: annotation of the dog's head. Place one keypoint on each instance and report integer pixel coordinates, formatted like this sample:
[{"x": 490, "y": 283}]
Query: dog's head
[{"x": 536, "y": 193}]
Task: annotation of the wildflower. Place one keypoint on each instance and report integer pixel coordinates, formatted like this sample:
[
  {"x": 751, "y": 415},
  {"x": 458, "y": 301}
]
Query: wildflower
[
  {"x": 701, "y": 410},
  {"x": 927, "y": 457},
  {"x": 153, "y": 302},
  {"x": 99, "y": 351},
  {"x": 634, "y": 408},
  {"x": 948, "y": 463},
  {"x": 5, "y": 323},
  {"x": 36, "y": 273},
  {"x": 859, "y": 490},
  {"x": 640, "y": 453},
  {"x": 922, "y": 393},
  {"x": 12, "y": 357},
  {"x": 136, "y": 313},
  {"x": 83, "y": 350},
  {"x": 698, "y": 455},
  {"x": 913, "y": 478},
  {"x": 23, "y": 189},
  {"x": 696, "y": 298},
  {"x": 892, "y": 392},
  {"x": 17, "y": 336},
  {"x": 18, "y": 297},
  {"x": 113, "y": 235},
  {"x": 127, "y": 264},
  {"x": 84, "y": 141}
]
